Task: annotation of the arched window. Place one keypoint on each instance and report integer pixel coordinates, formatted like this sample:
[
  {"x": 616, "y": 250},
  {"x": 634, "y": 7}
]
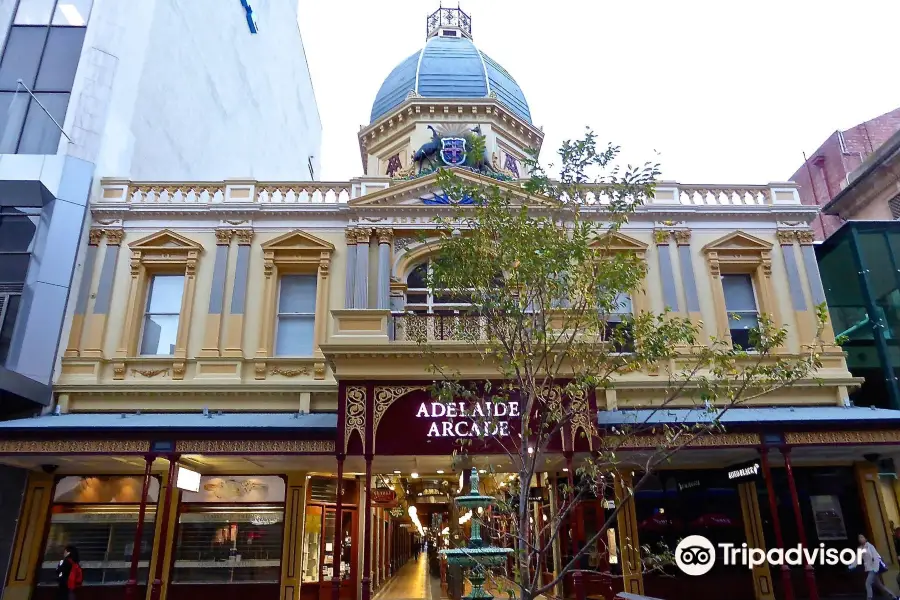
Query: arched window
[{"x": 423, "y": 300}]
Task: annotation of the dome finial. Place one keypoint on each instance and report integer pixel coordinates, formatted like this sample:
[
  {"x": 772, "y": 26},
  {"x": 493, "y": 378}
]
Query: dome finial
[{"x": 448, "y": 22}]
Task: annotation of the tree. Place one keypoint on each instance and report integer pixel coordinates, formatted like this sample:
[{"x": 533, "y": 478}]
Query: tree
[{"x": 547, "y": 288}]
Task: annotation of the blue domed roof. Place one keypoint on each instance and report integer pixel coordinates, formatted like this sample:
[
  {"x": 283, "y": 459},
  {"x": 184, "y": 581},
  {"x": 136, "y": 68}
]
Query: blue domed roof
[{"x": 449, "y": 67}]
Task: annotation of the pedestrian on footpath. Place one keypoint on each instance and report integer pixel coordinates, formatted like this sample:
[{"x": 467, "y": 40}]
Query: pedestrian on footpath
[{"x": 874, "y": 566}]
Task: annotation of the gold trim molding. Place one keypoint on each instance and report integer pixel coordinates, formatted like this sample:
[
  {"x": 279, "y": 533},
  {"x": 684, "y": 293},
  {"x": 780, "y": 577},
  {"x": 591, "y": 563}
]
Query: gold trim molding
[
  {"x": 702, "y": 441},
  {"x": 74, "y": 446},
  {"x": 809, "y": 438},
  {"x": 254, "y": 446},
  {"x": 385, "y": 396}
]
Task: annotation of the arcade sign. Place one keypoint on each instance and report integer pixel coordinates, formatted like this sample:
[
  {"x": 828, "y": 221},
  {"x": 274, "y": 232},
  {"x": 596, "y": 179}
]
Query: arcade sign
[
  {"x": 480, "y": 419},
  {"x": 383, "y": 496}
]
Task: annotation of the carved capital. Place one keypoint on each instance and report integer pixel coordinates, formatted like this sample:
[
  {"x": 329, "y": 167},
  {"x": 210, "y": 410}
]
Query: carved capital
[
  {"x": 714, "y": 265},
  {"x": 324, "y": 265},
  {"x": 268, "y": 267},
  {"x": 767, "y": 263},
  {"x": 385, "y": 235},
  {"x": 114, "y": 237},
  {"x": 223, "y": 236},
  {"x": 136, "y": 264},
  {"x": 95, "y": 236},
  {"x": 683, "y": 237},
  {"x": 661, "y": 236},
  {"x": 785, "y": 237},
  {"x": 244, "y": 236},
  {"x": 190, "y": 268},
  {"x": 350, "y": 233},
  {"x": 806, "y": 236},
  {"x": 363, "y": 235}
]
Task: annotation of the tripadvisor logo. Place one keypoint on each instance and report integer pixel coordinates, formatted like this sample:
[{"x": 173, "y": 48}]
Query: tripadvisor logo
[{"x": 696, "y": 555}]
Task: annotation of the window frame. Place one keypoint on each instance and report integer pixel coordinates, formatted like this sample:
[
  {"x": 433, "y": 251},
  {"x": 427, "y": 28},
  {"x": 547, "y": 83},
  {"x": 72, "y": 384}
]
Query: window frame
[
  {"x": 48, "y": 27},
  {"x": 147, "y": 313},
  {"x": 279, "y": 314},
  {"x": 756, "y": 312}
]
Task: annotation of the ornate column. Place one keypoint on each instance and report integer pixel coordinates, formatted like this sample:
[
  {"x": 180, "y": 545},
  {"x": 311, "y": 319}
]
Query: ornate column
[
  {"x": 776, "y": 523},
  {"x": 131, "y": 586},
  {"x": 385, "y": 239},
  {"x": 96, "y": 322},
  {"x": 320, "y": 328},
  {"x": 361, "y": 285},
  {"x": 805, "y": 321},
  {"x": 350, "y": 277},
  {"x": 808, "y": 571},
  {"x": 663, "y": 238},
  {"x": 762, "y": 575},
  {"x": 234, "y": 324},
  {"x": 213, "y": 325},
  {"x": 632, "y": 568},
  {"x": 688, "y": 279}
]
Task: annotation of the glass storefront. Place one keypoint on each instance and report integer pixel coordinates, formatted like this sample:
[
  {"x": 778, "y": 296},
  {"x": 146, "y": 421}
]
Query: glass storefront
[
  {"x": 99, "y": 515},
  {"x": 231, "y": 531},
  {"x": 319, "y": 535}
]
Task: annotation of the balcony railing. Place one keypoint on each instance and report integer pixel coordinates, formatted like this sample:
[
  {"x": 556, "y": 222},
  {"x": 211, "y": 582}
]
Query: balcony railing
[{"x": 411, "y": 327}]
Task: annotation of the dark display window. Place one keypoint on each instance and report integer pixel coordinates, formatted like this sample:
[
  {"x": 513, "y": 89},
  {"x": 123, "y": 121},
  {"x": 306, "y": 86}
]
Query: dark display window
[{"x": 99, "y": 515}]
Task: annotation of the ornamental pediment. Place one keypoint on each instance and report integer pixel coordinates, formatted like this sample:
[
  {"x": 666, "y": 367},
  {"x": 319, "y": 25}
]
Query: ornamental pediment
[
  {"x": 619, "y": 242},
  {"x": 298, "y": 240},
  {"x": 167, "y": 239},
  {"x": 738, "y": 242}
]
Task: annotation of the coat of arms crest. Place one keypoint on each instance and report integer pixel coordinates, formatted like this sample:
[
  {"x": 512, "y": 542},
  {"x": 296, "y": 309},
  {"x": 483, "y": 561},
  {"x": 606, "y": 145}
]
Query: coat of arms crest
[{"x": 453, "y": 151}]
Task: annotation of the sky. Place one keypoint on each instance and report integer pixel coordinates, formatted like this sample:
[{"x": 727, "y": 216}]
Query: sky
[{"x": 715, "y": 91}]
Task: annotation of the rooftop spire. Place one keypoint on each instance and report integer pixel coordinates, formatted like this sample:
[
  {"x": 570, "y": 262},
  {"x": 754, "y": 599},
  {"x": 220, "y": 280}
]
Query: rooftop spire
[{"x": 449, "y": 22}]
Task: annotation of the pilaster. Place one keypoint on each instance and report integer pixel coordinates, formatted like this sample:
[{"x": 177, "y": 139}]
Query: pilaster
[
  {"x": 33, "y": 517},
  {"x": 629, "y": 542},
  {"x": 350, "y": 276},
  {"x": 294, "y": 521},
  {"x": 385, "y": 240},
  {"x": 234, "y": 322},
  {"x": 73, "y": 348},
  {"x": 213, "y": 326},
  {"x": 96, "y": 322},
  {"x": 361, "y": 284}
]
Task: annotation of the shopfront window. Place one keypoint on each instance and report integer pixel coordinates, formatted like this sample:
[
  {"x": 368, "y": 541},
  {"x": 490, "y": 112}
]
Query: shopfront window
[
  {"x": 319, "y": 535},
  {"x": 99, "y": 515},
  {"x": 231, "y": 531}
]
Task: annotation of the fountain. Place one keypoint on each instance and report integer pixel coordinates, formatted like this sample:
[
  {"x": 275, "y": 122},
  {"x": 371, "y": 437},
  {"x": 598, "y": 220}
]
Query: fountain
[{"x": 476, "y": 557}]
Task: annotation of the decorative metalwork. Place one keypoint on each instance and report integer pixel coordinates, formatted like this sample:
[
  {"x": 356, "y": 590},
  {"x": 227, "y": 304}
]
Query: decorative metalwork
[
  {"x": 581, "y": 418},
  {"x": 385, "y": 396},
  {"x": 355, "y": 419},
  {"x": 448, "y": 17},
  {"x": 74, "y": 446},
  {"x": 420, "y": 328},
  {"x": 704, "y": 441},
  {"x": 255, "y": 446}
]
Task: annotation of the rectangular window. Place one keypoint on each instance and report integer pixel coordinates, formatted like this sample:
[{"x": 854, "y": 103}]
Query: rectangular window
[
  {"x": 161, "y": 315},
  {"x": 618, "y": 328},
  {"x": 740, "y": 304},
  {"x": 9, "y": 309},
  {"x": 42, "y": 50},
  {"x": 296, "y": 315}
]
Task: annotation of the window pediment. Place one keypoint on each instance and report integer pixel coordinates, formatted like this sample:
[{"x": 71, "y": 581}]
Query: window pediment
[
  {"x": 619, "y": 242},
  {"x": 166, "y": 240},
  {"x": 738, "y": 243}
]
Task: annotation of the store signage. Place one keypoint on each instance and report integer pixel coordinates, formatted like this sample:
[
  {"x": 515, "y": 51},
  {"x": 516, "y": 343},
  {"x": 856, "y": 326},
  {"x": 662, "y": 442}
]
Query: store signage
[
  {"x": 691, "y": 484},
  {"x": 383, "y": 496},
  {"x": 745, "y": 472},
  {"x": 187, "y": 479},
  {"x": 456, "y": 419}
]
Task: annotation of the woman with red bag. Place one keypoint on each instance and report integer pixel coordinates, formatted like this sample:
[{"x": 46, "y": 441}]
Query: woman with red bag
[{"x": 68, "y": 574}]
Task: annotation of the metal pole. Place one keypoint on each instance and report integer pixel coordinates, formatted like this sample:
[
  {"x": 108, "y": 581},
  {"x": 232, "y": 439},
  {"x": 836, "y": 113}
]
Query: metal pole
[
  {"x": 776, "y": 523},
  {"x": 156, "y": 588},
  {"x": 367, "y": 535},
  {"x": 801, "y": 532},
  {"x": 338, "y": 524},
  {"x": 131, "y": 586},
  {"x": 577, "y": 576}
]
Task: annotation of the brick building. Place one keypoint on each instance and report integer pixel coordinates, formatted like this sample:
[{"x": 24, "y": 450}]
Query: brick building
[{"x": 826, "y": 171}]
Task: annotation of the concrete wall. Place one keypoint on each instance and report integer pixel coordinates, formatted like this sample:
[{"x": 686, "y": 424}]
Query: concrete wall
[{"x": 180, "y": 89}]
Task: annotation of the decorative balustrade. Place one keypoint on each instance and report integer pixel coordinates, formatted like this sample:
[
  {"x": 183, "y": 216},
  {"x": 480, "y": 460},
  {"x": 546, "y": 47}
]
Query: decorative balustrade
[{"x": 338, "y": 193}]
